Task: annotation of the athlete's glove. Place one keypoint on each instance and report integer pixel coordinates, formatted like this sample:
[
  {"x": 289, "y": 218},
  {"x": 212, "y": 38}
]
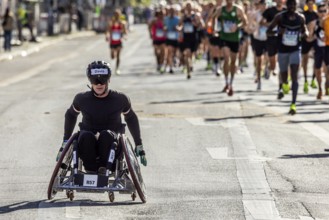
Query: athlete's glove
[
  {"x": 60, "y": 150},
  {"x": 140, "y": 152}
]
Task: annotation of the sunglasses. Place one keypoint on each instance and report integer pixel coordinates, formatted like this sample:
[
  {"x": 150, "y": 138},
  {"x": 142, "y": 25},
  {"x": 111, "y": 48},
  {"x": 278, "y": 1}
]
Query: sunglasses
[
  {"x": 98, "y": 80},
  {"x": 322, "y": 11}
]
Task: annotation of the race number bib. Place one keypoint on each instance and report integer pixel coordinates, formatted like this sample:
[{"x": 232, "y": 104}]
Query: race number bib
[
  {"x": 262, "y": 33},
  {"x": 319, "y": 40},
  {"x": 290, "y": 38},
  {"x": 172, "y": 35},
  {"x": 218, "y": 26},
  {"x": 227, "y": 26},
  {"x": 116, "y": 35},
  {"x": 275, "y": 30},
  {"x": 188, "y": 28},
  {"x": 159, "y": 33},
  {"x": 90, "y": 180}
]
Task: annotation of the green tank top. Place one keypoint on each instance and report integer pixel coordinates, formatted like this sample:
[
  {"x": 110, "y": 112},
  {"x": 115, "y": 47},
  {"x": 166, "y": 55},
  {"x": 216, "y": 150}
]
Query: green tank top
[{"x": 228, "y": 19}]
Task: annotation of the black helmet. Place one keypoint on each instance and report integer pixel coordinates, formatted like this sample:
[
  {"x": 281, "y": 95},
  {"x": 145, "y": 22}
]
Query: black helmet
[{"x": 98, "y": 72}]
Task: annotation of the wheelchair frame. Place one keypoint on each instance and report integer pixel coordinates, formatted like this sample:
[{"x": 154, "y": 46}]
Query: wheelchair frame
[{"x": 68, "y": 174}]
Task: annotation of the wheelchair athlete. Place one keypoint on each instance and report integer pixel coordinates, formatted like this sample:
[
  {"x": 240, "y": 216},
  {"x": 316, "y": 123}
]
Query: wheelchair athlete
[{"x": 101, "y": 110}]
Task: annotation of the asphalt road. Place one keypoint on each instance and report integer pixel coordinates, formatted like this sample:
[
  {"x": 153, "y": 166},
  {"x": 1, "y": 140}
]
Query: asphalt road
[{"x": 210, "y": 156}]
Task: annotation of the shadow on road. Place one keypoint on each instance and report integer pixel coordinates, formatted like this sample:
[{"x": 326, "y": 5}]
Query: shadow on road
[
  {"x": 308, "y": 121},
  {"x": 239, "y": 117},
  {"x": 296, "y": 156},
  {"x": 59, "y": 203}
]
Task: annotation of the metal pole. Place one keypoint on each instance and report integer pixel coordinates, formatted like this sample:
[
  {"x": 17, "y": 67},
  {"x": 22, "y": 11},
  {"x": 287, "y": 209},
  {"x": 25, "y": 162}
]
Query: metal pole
[{"x": 50, "y": 21}]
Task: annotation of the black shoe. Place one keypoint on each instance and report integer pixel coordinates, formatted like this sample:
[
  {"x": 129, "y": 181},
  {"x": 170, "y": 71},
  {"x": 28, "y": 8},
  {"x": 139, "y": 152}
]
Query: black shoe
[
  {"x": 280, "y": 95},
  {"x": 171, "y": 71}
]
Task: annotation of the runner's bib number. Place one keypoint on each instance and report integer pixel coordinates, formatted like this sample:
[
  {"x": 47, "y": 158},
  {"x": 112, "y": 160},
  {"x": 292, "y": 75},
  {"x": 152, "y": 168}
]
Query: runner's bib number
[
  {"x": 159, "y": 33},
  {"x": 228, "y": 25},
  {"x": 262, "y": 33},
  {"x": 188, "y": 28},
  {"x": 172, "y": 35},
  {"x": 116, "y": 35},
  {"x": 90, "y": 180},
  {"x": 290, "y": 38},
  {"x": 320, "y": 42},
  {"x": 218, "y": 26}
]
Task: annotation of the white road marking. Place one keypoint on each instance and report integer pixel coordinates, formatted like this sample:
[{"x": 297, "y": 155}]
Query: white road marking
[
  {"x": 257, "y": 198},
  {"x": 218, "y": 153},
  {"x": 251, "y": 175}
]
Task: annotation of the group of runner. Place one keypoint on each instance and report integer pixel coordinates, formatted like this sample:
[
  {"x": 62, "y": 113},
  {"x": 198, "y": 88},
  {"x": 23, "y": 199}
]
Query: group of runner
[
  {"x": 221, "y": 32},
  {"x": 277, "y": 32}
]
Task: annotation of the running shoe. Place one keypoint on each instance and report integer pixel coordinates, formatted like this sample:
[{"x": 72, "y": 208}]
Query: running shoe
[
  {"x": 117, "y": 72},
  {"x": 267, "y": 73},
  {"x": 241, "y": 69},
  {"x": 230, "y": 91},
  {"x": 292, "y": 110},
  {"x": 280, "y": 94},
  {"x": 313, "y": 84},
  {"x": 306, "y": 87},
  {"x": 209, "y": 66},
  {"x": 285, "y": 88},
  {"x": 259, "y": 86},
  {"x": 225, "y": 89},
  {"x": 188, "y": 76},
  {"x": 171, "y": 71},
  {"x": 245, "y": 64},
  {"x": 162, "y": 70}
]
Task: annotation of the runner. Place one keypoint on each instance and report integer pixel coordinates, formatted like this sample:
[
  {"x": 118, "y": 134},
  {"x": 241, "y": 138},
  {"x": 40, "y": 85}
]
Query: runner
[
  {"x": 157, "y": 34},
  {"x": 188, "y": 25},
  {"x": 171, "y": 27},
  {"x": 272, "y": 41},
  {"x": 209, "y": 31},
  {"x": 319, "y": 46},
  {"x": 326, "y": 33},
  {"x": 292, "y": 27},
  {"x": 259, "y": 39},
  {"x": 307, "y": 44},
  {"x": 114, "y": 34},
  {"x": 215, "y": 40},
  {"x": 232, "y": 18},
  {"x": 244, "y": 41}
]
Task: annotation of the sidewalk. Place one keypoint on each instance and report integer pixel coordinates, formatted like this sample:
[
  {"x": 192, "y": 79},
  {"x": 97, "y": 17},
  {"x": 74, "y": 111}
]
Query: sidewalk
[{"x": 31, "y": 47}]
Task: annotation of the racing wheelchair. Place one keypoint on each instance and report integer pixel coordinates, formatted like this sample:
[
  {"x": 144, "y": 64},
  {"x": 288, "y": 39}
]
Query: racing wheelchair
[{"x": 68, "y": 174}]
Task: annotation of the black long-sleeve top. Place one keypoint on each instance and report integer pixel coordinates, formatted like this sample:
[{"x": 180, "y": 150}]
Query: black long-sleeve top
[{"x": 102, "y": 114}]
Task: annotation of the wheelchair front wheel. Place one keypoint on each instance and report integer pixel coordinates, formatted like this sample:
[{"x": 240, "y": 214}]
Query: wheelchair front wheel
[{"x": 134, "y": 168}]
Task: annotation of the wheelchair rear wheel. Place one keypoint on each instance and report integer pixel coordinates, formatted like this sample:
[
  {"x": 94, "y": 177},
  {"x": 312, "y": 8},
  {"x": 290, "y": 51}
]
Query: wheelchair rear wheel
[
  {"x": 62, "y": 167},
  {"x": 134, "y": 168}
]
